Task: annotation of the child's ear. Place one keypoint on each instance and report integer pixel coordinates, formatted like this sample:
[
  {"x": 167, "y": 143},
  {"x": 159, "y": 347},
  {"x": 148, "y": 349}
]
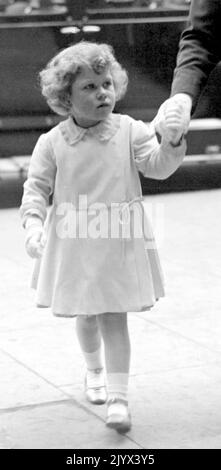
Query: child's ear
[{"x": 67, "y": 100}]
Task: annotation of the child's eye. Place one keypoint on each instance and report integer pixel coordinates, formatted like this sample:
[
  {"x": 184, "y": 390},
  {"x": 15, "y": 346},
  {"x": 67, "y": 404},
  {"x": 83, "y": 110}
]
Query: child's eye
[
  {"x": 90, "y": 86},
  {"x": 107, "y": 84}
]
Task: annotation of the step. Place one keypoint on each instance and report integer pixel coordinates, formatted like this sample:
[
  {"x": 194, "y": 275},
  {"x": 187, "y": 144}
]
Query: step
[{"x": 14, "y": 167}]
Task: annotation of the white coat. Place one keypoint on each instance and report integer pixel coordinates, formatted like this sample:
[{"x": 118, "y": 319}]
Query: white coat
[{"x": 85, "y": 269}]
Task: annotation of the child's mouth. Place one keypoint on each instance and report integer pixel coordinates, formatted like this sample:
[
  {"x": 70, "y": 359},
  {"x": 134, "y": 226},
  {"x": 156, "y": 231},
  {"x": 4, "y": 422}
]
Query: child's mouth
[{"x": 103, "y": 105}]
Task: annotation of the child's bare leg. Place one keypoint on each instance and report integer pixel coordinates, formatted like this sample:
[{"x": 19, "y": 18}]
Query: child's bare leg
[
  {"x": 88, "y": 333},
  {"x": 90, "y": 341},
  {"x": 115, "y": 334}
]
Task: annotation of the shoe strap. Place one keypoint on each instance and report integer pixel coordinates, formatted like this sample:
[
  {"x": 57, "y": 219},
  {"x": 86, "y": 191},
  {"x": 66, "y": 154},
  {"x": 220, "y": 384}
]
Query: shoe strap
[
  {"x": 96, "y": 387},
  {"x": 111, "y": 401},
  {"x": 96, "y": 371}
]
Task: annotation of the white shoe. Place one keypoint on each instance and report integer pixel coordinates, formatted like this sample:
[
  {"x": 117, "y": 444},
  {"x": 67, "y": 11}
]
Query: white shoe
[
  {"x": 95, "y": 388},
  {"x": 118, "y": 415}
]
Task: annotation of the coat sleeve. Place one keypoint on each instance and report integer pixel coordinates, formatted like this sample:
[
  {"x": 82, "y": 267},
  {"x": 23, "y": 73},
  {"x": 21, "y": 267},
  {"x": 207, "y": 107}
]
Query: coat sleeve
[
  {"x": 154, "y": 160},
  {"x": 199, "y": 48},
  {"x": 40, "y": 181}
]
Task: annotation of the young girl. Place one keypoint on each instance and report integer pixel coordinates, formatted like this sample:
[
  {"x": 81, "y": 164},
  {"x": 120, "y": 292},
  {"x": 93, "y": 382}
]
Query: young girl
[{"x": 93, "y": 261}]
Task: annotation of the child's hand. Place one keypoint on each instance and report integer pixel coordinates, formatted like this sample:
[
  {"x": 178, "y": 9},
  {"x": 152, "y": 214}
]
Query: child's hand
[
  {"x": 173, "y": 118},
  {"x": 35, "y": 240},
  {"x": 174, "y": 123}
]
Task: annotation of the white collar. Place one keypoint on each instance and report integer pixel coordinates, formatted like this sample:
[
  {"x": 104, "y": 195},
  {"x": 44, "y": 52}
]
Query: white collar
[{"x": 104, "y": 130}]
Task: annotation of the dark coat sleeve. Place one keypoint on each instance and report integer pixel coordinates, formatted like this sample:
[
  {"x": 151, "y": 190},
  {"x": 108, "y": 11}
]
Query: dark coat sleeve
[{"x": 199, "y": 48}]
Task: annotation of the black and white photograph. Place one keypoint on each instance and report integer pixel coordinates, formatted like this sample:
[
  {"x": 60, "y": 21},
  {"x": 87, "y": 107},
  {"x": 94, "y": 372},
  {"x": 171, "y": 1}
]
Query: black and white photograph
[{"x": 110, "y": 246}]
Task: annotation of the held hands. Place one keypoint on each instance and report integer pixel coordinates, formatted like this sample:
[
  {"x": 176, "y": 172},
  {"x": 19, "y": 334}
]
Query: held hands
[
  {"x": 173, "y": 118},
  {"x": 35, "y": 239}
]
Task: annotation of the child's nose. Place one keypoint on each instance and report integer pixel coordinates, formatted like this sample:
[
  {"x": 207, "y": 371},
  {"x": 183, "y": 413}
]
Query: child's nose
[{"x": 101, "y": 93}]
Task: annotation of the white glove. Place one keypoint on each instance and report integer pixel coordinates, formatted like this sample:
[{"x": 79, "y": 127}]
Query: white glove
[
  {"x": 173, "y": 118},
  {"x": 35, "y": 239}
]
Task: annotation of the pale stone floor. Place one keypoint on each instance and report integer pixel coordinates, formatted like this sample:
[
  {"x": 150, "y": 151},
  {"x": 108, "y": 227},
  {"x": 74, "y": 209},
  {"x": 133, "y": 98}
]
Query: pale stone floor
[{"x": 175, "y": 382}]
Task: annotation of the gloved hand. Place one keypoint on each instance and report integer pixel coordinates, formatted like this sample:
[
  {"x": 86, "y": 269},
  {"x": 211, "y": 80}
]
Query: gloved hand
[
  {"x": 35, "y": 238},
  {"x": 173, "y": 118}
]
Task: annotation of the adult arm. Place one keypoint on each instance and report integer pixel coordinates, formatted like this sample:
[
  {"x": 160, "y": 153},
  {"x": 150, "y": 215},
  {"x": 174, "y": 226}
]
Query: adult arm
[{"x": 199, "y": 49}]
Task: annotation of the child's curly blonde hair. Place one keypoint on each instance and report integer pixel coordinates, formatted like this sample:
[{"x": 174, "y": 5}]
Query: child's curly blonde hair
[{"x": 57, "y": 78}]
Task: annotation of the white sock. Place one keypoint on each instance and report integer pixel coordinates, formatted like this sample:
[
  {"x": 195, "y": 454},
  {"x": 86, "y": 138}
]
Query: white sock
[
  {"x": 94, "y": 360},
  {"x": 95, "y": 378},
  {"x": 117, "y": 385}
]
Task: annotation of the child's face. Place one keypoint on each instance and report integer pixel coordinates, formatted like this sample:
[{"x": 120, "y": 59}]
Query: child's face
[{"x": 93, "y": 97}]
